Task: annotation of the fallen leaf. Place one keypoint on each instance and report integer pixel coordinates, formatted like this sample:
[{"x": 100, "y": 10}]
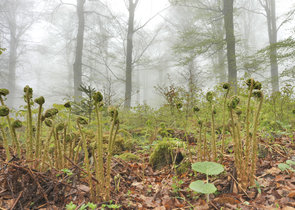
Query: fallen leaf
[
  {"x": 83, "y": 187},
  {"x": 279, "y": 178},
  {"x": 227, "y": 199},
  {"x": 148, "y": 201},
  {"x": 167, "y": 201},
  {"x": 272, "y": 171},
  {"x": 160, "y": 208},
  {"x": 288, "y": 208},
  {"x": 291, "y": 194},
  {"x": 138, "y": 185}
]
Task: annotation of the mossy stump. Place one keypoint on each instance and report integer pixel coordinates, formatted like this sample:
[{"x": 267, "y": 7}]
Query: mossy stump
[
  {"x": 129, "y": 157},
  {"x": 162, "y": 155}
]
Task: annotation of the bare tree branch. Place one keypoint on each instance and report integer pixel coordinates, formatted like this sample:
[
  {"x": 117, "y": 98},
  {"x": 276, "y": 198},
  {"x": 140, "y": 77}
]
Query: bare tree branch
[
  {"x": 147, "y": 46},
  {"x": 288, "y": 18},
  {"x": 253, "y": 11},
  {"x": 61, "y": 1},
  {"x": 149, "y": 20}
]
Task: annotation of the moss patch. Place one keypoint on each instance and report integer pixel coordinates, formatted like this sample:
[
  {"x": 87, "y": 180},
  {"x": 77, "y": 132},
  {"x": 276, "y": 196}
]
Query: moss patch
[
  {"x": 129, "y": 157},
  {"x": 183, "y": 167},
  {"x": 162, "y": 155}
]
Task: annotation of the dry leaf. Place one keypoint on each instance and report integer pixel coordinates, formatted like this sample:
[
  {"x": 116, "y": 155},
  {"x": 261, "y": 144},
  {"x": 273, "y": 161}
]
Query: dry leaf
[
  {"x": 291, "y": 194},
  {"x": 288, "y": 208},
  {"x": 138, "y": 185},
  {"x": 279, "y": 178},
  {"x": 226, "y": 199},
  {"x": 83, "y": 187},
  {"x": 272, "y": 171},
  {"x": 160, "y": 208}
]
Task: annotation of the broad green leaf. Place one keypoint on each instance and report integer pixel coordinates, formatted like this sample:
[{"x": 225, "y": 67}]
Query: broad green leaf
[
  {"x": 209, "y": 168},
  {"x": 201, "y": 187},
  {"x": 284, "y": 166},
  {"x": 290, "y": 162}
]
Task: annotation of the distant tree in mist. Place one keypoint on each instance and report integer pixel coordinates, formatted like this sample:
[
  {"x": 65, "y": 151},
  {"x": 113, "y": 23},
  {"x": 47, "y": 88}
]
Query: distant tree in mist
[
  {"x": 270, "y": 10},
  {"x": 129, "y": 52},
  {"x": 228, "y": 8},
  {"x": 17, "y": 17},
  {"x": 77, "y": 67},
  {"x": 200, "y": 29}
]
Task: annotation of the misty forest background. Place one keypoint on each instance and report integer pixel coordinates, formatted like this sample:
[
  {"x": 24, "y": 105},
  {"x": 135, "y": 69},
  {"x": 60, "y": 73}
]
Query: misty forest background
[
  {"x": 140, "y": 95},
  {"x": 131, "y": 55}
]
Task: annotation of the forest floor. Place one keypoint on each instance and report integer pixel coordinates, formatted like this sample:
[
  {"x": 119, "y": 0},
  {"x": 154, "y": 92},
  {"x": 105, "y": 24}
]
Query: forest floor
[{"x": 137, "y": 186}]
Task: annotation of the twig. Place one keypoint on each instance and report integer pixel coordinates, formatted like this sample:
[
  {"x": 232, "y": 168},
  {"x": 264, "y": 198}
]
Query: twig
[
  {"x": 39, "y": 197},
  {"x": 275, "y": 149},
  {"x": 213, "y": 205},
  {"x": 122, "y": 162},
  {"x": 239, "y": 185},
  {"x": 78, "y": 207},
  {"x": 34, "y": 178},
  {"x": 78, "y": 167},
  {"x": 41, "y": 188},
  {"x": 16, "y": 201},
  {"x": 5, "y": 165}
]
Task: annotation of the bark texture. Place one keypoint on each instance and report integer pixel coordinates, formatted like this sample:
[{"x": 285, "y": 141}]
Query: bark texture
[
  {"x": 230, "y": 41},
  {"x": 77, "y": 68},
  {"x": 270, "y": 8},
  {"x": 129, "y": 51}
]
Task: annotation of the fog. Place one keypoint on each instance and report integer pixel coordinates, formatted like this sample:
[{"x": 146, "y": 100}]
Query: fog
[{"x": 55, "y": 46}]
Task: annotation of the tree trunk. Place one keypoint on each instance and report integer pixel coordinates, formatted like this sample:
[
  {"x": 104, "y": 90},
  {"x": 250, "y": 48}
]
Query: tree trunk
[
  {"x": 270, "y": 8},
  {"x": 129, "y": 50},
  {"x": 12, "y": 58},
  {"x": 79, "y": 49},
  {"x": 191, "y": 82},
  {"x": 220, "y": 52},
  {"x": 230, "y": 42},
  {"x": 221, "y": 65}
]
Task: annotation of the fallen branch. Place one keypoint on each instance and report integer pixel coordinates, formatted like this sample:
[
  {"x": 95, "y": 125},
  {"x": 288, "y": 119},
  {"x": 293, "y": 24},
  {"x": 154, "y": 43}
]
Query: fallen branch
[
  {"x": 16, "y": 201},
  {"x": 81, "y": 169}
]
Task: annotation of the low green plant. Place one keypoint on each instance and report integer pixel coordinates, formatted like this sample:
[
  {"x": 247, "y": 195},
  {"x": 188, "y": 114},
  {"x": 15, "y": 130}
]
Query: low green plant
[
  {"x": 199, "y": 141},
  {"x": 71, "y": 206},
  {"x": 40, "y": 101},
  {"x": 110, "y": 206},
  {"x": 67, "y": 171},
  {"x": 176, "y": 184},
  {"x": 5, "y": 142},
  {"x": 258, "y": 186},
  {"x": 112, "y": 137},
  {"x": 208, "y": 168},
  {"x": 287, "y": 166},
  {"x": 89, "y": 205},
  {"x": 226, "y": 86},
  {"x": 98, "y": 102},
  {"x": 83, "y": 121},
  {"x": 28, "y": 99},
  {"x": 4, "y": 110},
  {"x": 245, "y": 153},
  {"x": 209, "y": 97},
  {"x": 83, "y": 207}
]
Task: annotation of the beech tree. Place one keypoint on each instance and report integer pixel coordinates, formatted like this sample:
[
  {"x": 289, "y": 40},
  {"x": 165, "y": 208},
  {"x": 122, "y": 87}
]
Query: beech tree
[
  {"x": 129, "y": 51},
  {"x": 270, "y": 9},
  {"x": 228, "y": 8},
  {"x": 77, "y": 67},
  {"x": 17, "y": 19}
]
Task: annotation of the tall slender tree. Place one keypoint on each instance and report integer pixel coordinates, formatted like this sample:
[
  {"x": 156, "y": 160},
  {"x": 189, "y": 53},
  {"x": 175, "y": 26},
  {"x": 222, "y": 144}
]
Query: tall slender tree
[
  {"x": 228, "y": 8},
  {"x": 270, "y": 10},
  {"x": 16, "y": 23},
  {"x": 13, "y": 44},
  {"x": 129, "y": 51},
  {"x": 77, "y": 67}
]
